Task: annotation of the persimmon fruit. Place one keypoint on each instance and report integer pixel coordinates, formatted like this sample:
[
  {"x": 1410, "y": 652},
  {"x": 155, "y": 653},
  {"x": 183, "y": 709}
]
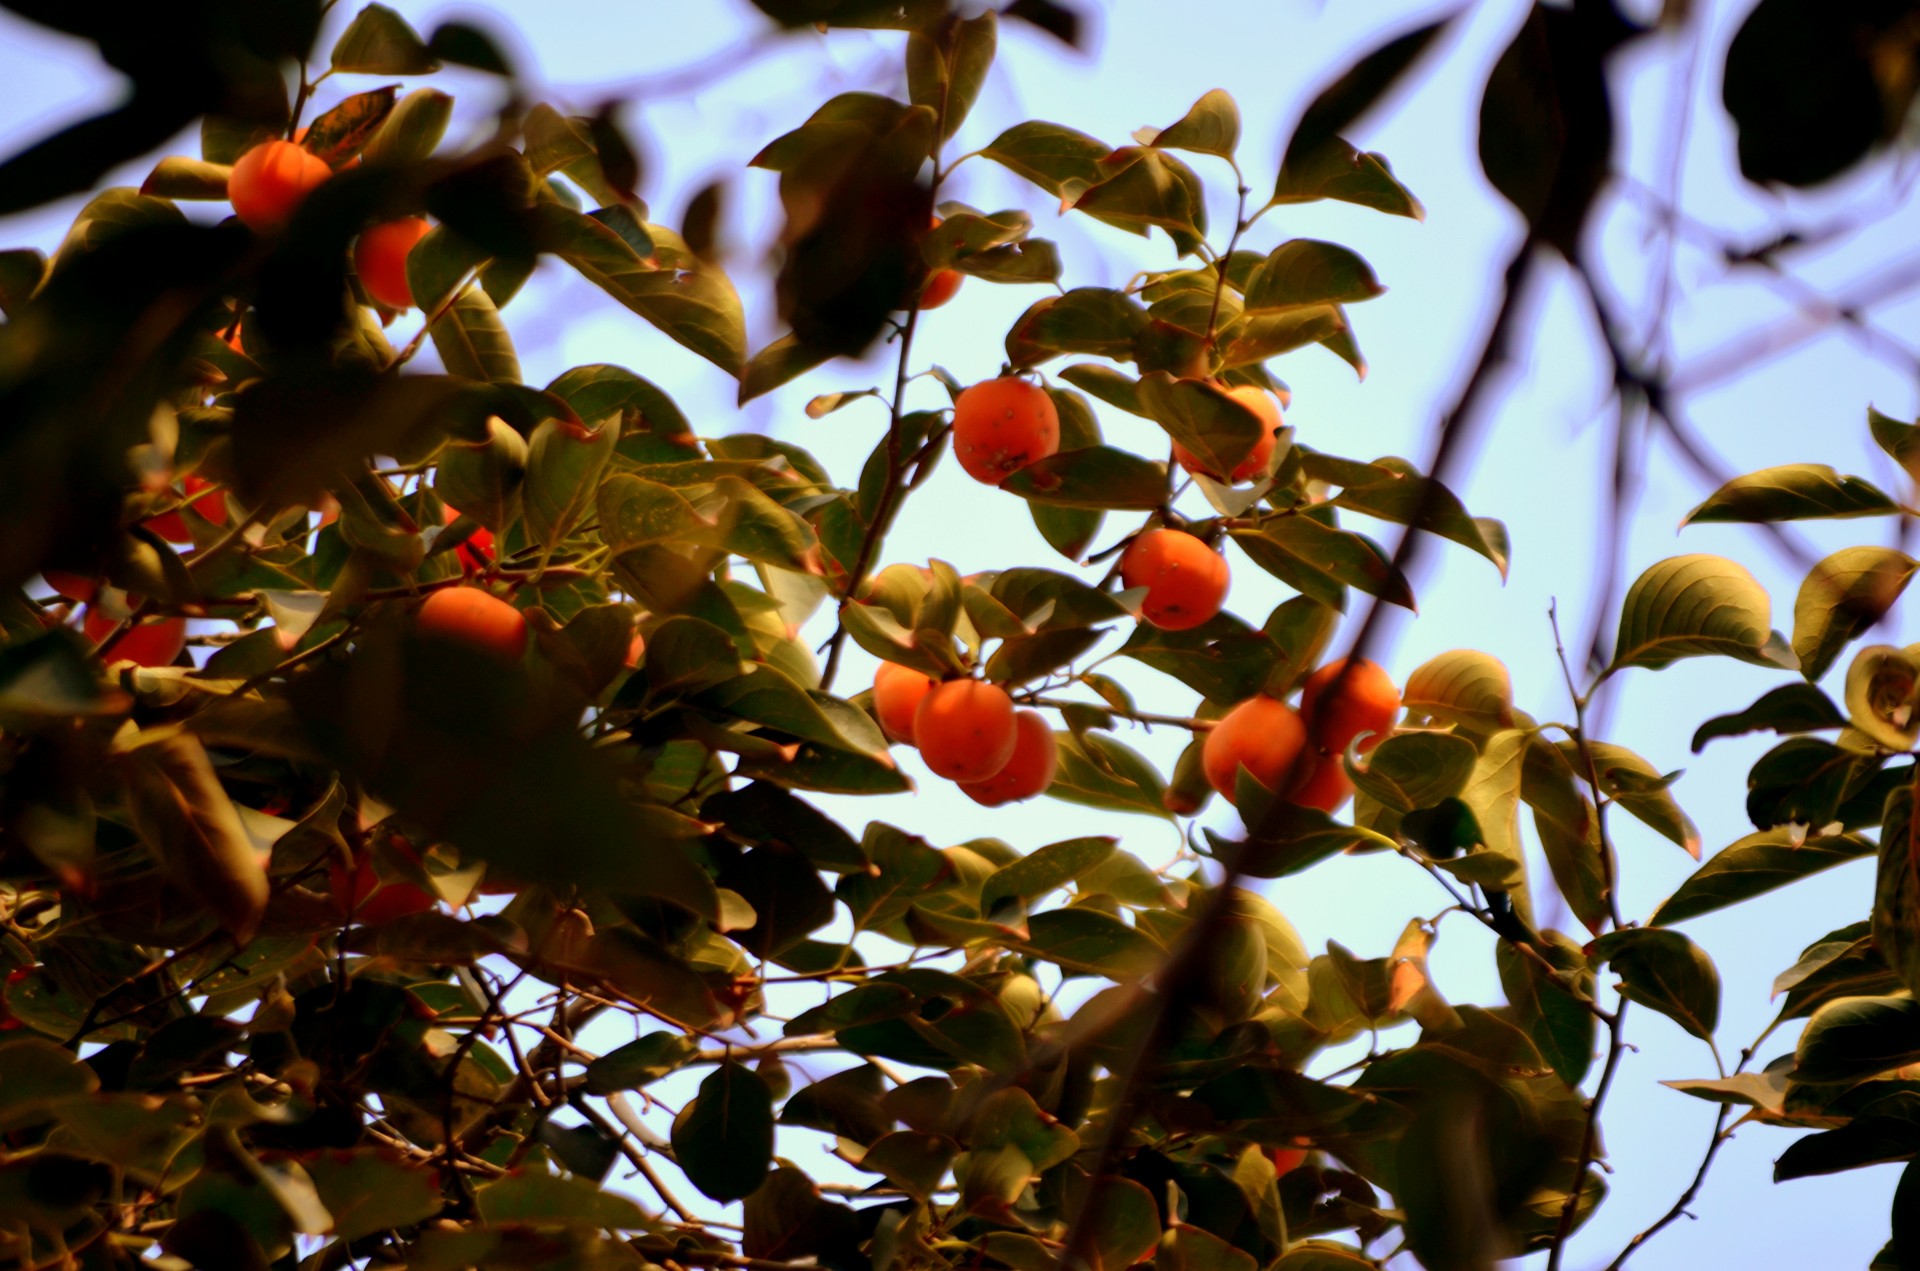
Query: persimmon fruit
[
  {"x": 476, "y": 553},
  {"x": 150, "y": 642},
  {"x": 211, "y": 507},
  {"x": 1326, "y": 786},
  {"x": 1186, "y": 580},
  {"x": 1367, "y": 701},
  {"x": 362, "y": 896},
  {"x": 941, "y": 287},
  {"x": 77, "y": 587},
  {"x": 965, "y": 729},
  {"x": 1030, "y": 770},
  {"x": 380, "y": 259},
  {"x": 897, "y": 694},
  {"x": 1002, "y": 425},
  {"x": 1265, "y": 736},
  {"x": 269, "y": 181},
  {"x": 1261, "y": 403},
  {"x": 1288, "y": 1159},
  {"x": 475, "y": 618}
]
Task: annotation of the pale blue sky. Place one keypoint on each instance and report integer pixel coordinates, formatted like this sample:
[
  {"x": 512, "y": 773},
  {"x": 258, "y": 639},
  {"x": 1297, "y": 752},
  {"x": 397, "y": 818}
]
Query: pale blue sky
[{"x": 1540, "y": 469}]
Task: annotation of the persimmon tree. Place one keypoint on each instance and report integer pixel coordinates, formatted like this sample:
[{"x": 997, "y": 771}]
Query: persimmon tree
[{"x": 506, "y": 708}]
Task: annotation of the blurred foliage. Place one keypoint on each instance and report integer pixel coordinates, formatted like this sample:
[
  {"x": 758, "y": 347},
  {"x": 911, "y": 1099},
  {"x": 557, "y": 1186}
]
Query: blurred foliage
[{"x": 299, "y": 928}]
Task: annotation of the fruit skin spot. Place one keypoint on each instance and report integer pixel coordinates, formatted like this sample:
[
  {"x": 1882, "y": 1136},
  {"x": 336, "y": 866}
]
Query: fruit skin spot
[
  {"x": 1265, "y": 736},
  {"x": 1186, "y": 580},
  {"x": 1002, "y": 425},
  {"x": 966, "y": 729},
  {"x": 1368, "y": 703},
  {"x": 1036, "y": 756},
  {"x": 475, "y": 618}
]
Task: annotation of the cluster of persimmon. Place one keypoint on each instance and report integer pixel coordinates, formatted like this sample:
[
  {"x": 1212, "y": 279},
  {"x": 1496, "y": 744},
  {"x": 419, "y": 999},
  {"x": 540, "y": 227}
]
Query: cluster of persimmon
[
  {"x": 1298, "y": 754},
  {"x": 1003, "y": 425},
  {"x": 967, "y": 731}
]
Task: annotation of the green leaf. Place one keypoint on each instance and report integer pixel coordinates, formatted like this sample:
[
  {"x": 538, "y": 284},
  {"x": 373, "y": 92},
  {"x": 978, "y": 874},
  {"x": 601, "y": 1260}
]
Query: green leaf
[
  {"x": 1394, "y": 491},
  {"x": 1791, "y": 708},
  {"x": 1336, "y": 170},
  {"x": 1555, "y": 1012},
  {"x": 178, "y": 177},
  {"x": 1043, "y": 870},
  {"x": 472, "y": 341},
  {"x": 370, "y": 1190},
  {"x": 564, "y": 463},
  {"x": 1088, "y": 942},
  {"x": 1883, "y": 695},
  {"x": 1416, "y": 770},
  {"x": 694, "y": 305},
  {"x": 1098, "y": 321},
  {"x": 914, "y": 1160},
  {"x": 1254, "y": 337},
  {"x": 528, "y": 1196},
  {"x": 1888, "y": 1129},
  {"x": 188, "y": 822},
  {"x": 1858, "y": 1037},
  {"x": 1316, "y": 1255},
  {"x": 639, "y": 1063},
  {"x": 379, "y": 42},
  {"x": 1896, "y": 904},
  {"x": 787, "y": 358},
  {"x": 1050, "y": 156},
  {"x": 1667, "y": 972},
  {"x": 1185, "y": 1248},
  {"x": 1320, "y": 561},
  {"x": 1754, "y": 865},
  {"x": 1201, "y": 417},
  {"x": 344, "y": 131},
  {"x": 412, "y": 131},
  {"x": 1900, "y": 440},
  {"x": 1140, "y": 189},
  {"x": 947, "y": 67},
  {"x": 1640, "y": 788},
  {"x": 1210, "y": 126},
  {"x": 1100, "y": 772},
  {"x": 1069, "y": 530},
  {"x": 1093, "y": 477},
  {"x": 1842, "y": 598},
  {"x": 1304, "y": 271},
  {"x": 1464, "y": 687},
  {"x": 21, "y": 271},
  {"x": 723, "y": 1137},
  {"x": 1791, "y": 492},
  {"x": 1223, "y": 659},
  {"x": 1764, "y": 1090},
  {"x": 1697, "y": 606},
  {"x": 1492, "y": 794}
]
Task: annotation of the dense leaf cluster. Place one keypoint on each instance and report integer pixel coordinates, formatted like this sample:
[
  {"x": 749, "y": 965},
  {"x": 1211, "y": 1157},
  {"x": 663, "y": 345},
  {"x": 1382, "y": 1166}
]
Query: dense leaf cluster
[{"x": 300, "y": 932}]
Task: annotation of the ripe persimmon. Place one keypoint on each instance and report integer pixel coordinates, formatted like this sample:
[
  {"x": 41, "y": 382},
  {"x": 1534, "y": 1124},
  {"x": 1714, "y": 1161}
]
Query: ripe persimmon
[
  {"x": 1368, "y": 701},
  {"x": 269, "y": 181},
  {"x": 1028, "y": 772},
  {"x": 897, "y": 694},
  {"x": 1261, "y": 403},
  {"x": 72, "y": 586},
  {"x": 1186, "y": 580},
  {"x": 363, "y": 897},
  {"x": 1327, "y": 787},
  {"x": 1000, "y": 426},
  {"x": 965, "y": 729},
  {"x": 941, "y": 284},
  {"x": 211, "y": 507},
  {"x": 475, "y": 618},
  {"x": 1288, "y": 1159},
  {"x": 476, "y": 553},
  {"x": 1265, "y": 736},
  {"x": 380, "y": 259},
  {"x": 150, "y": 642}
]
